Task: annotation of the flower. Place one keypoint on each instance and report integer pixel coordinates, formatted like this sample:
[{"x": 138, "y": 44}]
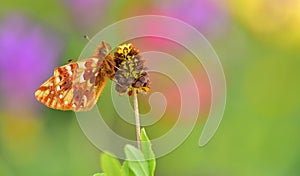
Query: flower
[
  {"x": 28, "y": 55},
  {"x": 131, "y": 73}
]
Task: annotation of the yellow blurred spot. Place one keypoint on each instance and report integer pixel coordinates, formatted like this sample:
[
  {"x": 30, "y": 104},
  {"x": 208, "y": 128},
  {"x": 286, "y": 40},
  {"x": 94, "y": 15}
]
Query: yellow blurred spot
[
  {"x": 20, "y": 134},
  {"x": 274, "y": 21}
]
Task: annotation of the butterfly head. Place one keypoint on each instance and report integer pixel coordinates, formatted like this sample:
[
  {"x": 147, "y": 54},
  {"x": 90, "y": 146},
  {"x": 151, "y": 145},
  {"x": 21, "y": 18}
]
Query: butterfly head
[{"x": 102, "y": 50}]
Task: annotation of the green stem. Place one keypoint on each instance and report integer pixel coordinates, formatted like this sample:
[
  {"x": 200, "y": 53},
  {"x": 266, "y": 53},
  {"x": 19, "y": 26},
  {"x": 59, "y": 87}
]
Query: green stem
[{"x": 137, "y": 119}]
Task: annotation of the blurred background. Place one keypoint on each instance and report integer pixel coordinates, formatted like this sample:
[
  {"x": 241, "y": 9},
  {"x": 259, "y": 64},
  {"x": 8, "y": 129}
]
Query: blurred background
[{"x": 257, "y": 41}]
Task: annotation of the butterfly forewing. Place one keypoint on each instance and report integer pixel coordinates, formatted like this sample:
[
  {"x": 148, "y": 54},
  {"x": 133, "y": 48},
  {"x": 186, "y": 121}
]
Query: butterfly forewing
[{"x": 88, "y": 83}]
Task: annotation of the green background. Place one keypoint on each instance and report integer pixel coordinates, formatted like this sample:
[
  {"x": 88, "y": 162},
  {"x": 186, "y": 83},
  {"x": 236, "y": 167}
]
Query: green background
[{"x": 258, "y": 45}]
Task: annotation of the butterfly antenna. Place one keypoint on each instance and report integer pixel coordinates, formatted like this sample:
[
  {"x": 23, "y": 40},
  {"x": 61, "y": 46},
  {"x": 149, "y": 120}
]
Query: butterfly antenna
[{"x": 88, "y": 39}]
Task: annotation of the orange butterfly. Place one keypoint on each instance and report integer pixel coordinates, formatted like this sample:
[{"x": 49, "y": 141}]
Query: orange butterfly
[{"x": 77, "y": 86}]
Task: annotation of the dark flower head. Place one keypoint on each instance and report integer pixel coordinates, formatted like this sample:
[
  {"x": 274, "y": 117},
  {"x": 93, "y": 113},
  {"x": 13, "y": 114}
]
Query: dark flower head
[{"x": 131, "y": 73}]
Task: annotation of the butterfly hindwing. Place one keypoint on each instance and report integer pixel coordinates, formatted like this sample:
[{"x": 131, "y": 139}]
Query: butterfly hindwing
[
  {"x": 57, "y": 91},
  {"x": 76, "y": 86}
]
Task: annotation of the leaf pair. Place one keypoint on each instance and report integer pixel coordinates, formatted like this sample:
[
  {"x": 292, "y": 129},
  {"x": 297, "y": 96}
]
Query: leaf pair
[{"x": 137, "y": 163}]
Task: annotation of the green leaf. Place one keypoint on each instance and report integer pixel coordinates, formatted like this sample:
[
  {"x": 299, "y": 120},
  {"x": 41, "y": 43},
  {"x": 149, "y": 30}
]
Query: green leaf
[
  {"x": 125, "y": 170},
  {"x": 147, "y": 151},
  {"x": 99, "y": 174},
  {"x": 136, "y": 161},
  {"x": 110, "y": 165}
]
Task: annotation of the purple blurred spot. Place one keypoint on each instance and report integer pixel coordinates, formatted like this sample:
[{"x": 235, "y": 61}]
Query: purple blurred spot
[
  {"x": 87, "y": 14},
  {"x": 208, "y": 16},
  {"x": 28, "y": 57}
]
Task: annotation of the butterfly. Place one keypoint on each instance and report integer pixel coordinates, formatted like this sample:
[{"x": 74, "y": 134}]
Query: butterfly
[{"x": 77, "y": 86}]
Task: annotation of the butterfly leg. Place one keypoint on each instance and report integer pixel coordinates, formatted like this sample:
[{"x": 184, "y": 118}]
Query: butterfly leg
[{"x": 71, "y": 60}]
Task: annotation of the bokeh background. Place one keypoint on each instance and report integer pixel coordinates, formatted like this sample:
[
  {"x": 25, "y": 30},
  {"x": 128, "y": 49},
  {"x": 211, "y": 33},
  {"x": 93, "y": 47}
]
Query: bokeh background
[{"x": 258, "y": 43}]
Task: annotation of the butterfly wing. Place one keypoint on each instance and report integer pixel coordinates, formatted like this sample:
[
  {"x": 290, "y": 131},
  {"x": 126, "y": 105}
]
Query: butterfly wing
[
  {"x": 76, "y": 86},
  {"x": 57, "y": 91},
  {"x": 89, "y": 82}
]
